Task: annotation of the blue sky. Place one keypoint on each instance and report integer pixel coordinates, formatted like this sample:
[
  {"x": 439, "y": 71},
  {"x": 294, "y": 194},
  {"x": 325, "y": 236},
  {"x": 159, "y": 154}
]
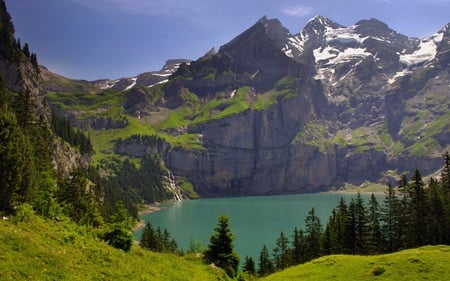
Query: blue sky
[{"x": 94, "y": 39}]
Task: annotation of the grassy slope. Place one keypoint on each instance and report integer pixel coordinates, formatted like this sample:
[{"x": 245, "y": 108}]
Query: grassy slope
[
  {"x": 426, "y": 263},
  {"x": 47, "y": 250},
  {"x": 43, "y": 250}
]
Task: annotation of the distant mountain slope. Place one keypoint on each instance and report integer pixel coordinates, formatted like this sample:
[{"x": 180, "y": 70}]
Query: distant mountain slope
[{"x": 271, "y": 112}]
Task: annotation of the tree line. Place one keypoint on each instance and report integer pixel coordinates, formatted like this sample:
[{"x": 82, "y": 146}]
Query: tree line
[
  {"x": 411, "y": 215},
  {"x": 75, "y": 137}
]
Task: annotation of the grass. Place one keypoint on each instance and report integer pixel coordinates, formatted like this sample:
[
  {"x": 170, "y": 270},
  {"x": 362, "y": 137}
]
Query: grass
[
  {"x": 103, "y": 140},
  {"x": 284, "y": 90},
  {"x": 366, "y": 187},
  {"x": 49, "y": 250},
  {"x": 106, "y": 104},
  {"x": 426, "y": 263}
]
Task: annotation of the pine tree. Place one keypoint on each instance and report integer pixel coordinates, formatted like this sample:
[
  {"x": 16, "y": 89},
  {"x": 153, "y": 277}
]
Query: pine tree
[
  {"x": 15, "y": 159},
  {"x": 341, "y": 222},
  {"x": 417, "y": 212},
  {"x": 281, "y": 253},
  {"x": 149, "y": 240},
  {"x": 298, "y": 247},
  {"x": 265, "y": 265},
  {"x": 313, "y": 233},
  {"x": 375, "y": 240},
  {"x": 445, "y": 185},
  {"x": 361, "y": 225},
  {"x": 391, "y": 215},
  {"x": 350, "y": 241},
  {"x": 221, "y": 250},
  {"x": 26, "y": 50},
  {"x": 435, "y": 217},
  {"x": 249, "y": 265}
]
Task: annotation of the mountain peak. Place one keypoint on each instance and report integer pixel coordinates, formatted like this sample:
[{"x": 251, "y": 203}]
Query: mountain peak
[
  {"x": 372, "y": 27},
  {"x": 319, "y": 24},
  {"x": 320, "y": 19}
]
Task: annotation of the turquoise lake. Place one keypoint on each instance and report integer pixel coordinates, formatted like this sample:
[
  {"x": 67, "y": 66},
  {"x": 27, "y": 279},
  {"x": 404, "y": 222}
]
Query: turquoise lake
[{"x": 254, "y": 221}]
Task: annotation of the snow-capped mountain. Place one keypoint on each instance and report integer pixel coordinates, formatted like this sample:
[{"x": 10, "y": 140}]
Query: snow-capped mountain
[
  {"x": 275, "y": 112},
  {"x": 338, "y": 51},
  {"x": 147, "y": 79}
]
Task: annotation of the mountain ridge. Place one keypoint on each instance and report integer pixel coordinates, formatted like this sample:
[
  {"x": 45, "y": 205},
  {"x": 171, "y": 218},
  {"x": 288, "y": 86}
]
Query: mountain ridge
[{"x": 272, "y": 112}]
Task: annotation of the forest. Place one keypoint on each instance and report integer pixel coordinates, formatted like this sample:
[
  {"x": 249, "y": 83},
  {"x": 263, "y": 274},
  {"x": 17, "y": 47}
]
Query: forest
[{"x": 413, "y": 214}]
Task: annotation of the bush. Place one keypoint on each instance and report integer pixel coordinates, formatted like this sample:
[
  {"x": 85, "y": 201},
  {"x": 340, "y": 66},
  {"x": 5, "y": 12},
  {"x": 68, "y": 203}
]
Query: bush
[{"x": 119, "y": 239}]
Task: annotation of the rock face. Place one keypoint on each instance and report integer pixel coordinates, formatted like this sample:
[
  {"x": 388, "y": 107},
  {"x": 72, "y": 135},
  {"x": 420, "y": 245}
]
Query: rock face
[
  {"x": 363, "y": 78},
  {"x": 24, "y": 78},
  {"x": 327, "y": 106}
]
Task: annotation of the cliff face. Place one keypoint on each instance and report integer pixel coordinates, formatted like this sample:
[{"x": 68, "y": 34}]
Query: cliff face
[
  {"x": 356, "y": 115},
  {"x": 272, "y": 112},
  {"x": 24, "y": 79}
]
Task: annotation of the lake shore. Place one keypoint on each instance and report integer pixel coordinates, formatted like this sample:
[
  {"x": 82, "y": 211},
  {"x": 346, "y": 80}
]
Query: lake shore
[{"x": 148, "y": 208}]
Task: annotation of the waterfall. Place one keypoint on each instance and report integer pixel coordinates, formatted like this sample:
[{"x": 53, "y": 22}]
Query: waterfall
[{"x": 172, "y": 186}]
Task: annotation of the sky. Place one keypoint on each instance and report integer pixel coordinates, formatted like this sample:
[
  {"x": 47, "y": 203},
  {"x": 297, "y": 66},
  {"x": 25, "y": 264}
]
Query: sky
[{"x": 96, "y": 39}]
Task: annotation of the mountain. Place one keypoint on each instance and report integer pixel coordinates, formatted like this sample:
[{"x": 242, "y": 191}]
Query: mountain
[{"x": 272, "y": 112}]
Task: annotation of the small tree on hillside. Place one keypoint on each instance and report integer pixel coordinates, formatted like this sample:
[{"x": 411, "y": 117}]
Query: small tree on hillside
[
  {"x": 265, "y": 265},
  {"x": 249, "y": 266},
  {"x": 221, "y": 250}
]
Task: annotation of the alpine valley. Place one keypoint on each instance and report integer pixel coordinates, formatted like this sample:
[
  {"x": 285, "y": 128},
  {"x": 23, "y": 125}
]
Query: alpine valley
[{"x": 271, "y": 112}]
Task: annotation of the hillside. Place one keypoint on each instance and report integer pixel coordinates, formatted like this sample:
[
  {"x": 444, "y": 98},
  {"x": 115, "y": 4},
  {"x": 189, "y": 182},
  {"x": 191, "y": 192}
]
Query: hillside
[
  {"x": 272, "y": 112},
  {"x": 425, "y": 263},
  {"x": 38, "y": 249}
]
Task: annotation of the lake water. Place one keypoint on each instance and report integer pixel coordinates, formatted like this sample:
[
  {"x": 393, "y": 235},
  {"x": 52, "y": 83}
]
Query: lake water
[{"x": 255, "y": 221}]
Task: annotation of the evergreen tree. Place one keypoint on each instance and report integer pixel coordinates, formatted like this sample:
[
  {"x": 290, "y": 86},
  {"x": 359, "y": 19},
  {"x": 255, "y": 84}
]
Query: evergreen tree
[
  {"x": 445, "y": 186},
  {"x": 435, "y": 216},
  {"x": 313, "y": 233},
  {"x": 281, "y": 253},
  {"x": 417, "y": 212},
  {"x": 361, "y": 225},
  {"x": 391, "y": 217},
  {"x": 33, "y": 60},
  {"x": 149, "y": 240},
  {"x": 340, "y": 227},
  {"x": 375, "y": 240},
  {"x": 221, "y": 250},
  {"x": 26, "y": 50},
  {"x": 298, "y": 247},
  {"x": 15, "y": 161},
  {"x": 265, "y": 265},
  {"x": 330, "y": 240},
  {"x": 249, "y": 265},
  {"x": 350, "y": 242}
]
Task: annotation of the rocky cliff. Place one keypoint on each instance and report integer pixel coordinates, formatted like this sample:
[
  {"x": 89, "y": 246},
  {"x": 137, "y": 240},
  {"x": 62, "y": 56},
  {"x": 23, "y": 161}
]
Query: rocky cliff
[
  {"x": 23, "y": 78},
  {"x": 272, "y": 112}
]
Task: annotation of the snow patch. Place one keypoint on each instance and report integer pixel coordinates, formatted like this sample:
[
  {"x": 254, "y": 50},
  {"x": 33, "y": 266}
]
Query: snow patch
[
  {"x": 232, "y": 94},
  {"x": 344, "y": 35},
  {"x": 108, "y": 84},
  {"x": 296, "y": 43},
  {"x": 160, "y": 82},
  {"x": 426, "y": 52},
  {"x": 335, "y": 56},
  {"x": 162, "y": 74},
  {"x": 398, "y": 75},
  {"x": 132, "y": 84}
]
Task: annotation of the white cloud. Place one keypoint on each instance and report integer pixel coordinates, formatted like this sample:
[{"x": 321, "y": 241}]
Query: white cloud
[{"x": 298, "y": 11}]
